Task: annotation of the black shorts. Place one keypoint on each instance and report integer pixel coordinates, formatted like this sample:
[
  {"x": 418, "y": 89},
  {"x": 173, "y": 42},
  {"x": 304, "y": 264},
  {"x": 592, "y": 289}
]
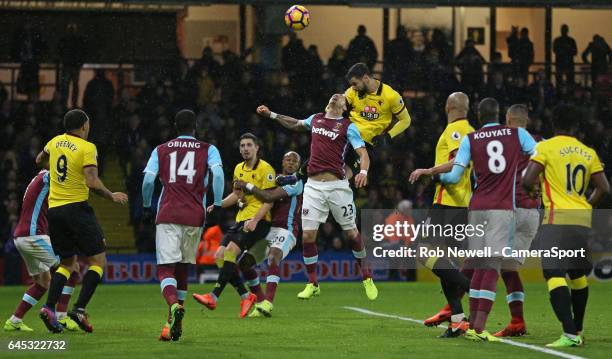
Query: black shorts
[
  {"x": 565, "y": 237},
  {"x": 443, "y": 215},
  {"x": 352, "y": 159},
  {"x": 246, "y": 240},
  {"x": 74, "y": 230}
]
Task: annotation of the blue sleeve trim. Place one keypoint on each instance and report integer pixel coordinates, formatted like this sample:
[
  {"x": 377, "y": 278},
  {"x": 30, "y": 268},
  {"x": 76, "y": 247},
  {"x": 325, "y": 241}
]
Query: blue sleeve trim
[
  {"x": 153, "y": 164},
  {"x": 355, "y": 137},
  {"x": 308, "y": 122},
  {"x": 148, "y": 186},
  {"x": 218, "y": 184},
  {"x": 453, "y": 176},
  {"x": 527, "y": 142},
  {"x": 214, "y": 157},
  {"x": 464, "y": 153}
]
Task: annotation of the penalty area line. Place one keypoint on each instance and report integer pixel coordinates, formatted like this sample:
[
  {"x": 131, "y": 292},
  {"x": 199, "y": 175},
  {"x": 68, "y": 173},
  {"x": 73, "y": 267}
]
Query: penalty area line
[{"x": 505, "y": 341}]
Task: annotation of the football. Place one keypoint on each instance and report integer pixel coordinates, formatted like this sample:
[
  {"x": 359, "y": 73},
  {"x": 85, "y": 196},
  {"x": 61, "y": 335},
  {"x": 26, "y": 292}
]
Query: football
[{"x": 297, "y": 17}]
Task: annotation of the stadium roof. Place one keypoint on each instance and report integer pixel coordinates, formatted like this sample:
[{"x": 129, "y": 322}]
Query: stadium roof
[{"x": 357, "y": 3}]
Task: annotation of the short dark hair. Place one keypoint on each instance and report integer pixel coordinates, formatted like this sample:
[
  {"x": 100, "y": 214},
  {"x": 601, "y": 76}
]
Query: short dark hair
[
  {"x": 250, "y": 136},
  {"x": 488, "y": 110},
  {"x": 75, "y": 119},
  {"x": 185, "y": 121},
  {"x": 358, "y": 70},
  {"x": 565, "y": 117}
]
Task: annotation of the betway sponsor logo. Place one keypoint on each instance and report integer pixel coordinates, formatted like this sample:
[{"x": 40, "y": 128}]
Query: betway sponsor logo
[{"x": 321, "y": 131}]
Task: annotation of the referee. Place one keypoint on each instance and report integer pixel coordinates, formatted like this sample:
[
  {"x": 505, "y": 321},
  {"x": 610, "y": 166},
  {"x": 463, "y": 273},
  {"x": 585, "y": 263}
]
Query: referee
[{"x": 73, "y": 227}]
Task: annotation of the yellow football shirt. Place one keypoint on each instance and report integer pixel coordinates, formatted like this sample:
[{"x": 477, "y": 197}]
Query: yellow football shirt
[
  {"x": 373, "y": 113},
  {"x": 263, "y": 176},
  {"x": 68, "y": 156},
  {"x": 459, "y": 194},
  {"x": 568, "y": 166}
]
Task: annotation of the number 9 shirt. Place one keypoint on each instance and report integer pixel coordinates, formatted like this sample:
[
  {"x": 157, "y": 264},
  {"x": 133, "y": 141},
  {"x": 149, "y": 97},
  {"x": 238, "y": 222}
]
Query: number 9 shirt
[{"x": 68, "y": 155}]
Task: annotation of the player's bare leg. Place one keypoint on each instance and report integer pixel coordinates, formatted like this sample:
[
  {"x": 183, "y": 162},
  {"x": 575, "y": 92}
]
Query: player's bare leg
[
  {"x": 311, "y": 257},
  {"x": 360, "y": 256}
]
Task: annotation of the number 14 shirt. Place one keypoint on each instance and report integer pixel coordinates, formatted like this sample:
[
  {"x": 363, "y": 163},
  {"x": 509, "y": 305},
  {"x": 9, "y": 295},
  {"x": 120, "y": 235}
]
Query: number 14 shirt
[{"x": 68, "y": 156}]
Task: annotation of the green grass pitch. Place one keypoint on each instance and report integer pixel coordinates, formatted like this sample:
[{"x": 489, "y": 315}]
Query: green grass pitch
[{"x": 127, "y": 320}]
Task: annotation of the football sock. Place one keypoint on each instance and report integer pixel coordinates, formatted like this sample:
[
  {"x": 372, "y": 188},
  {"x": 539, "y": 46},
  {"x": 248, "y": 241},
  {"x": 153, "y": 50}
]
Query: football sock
[
  {"x": 167, "y": 282},
  {"x": 360, "y": 256},
  {"x": 58, "y": 280},
  {"x": 561, "y": 301},
  {"x": 486, "y": 297},
  {"x": 252, "y": 280},
  {"x": 62, "y": 303},
  {"x": 90, "y": 282},
  {"x": 31, "y": 296},
  {"x": 272, "y": 281},
  {"x": 181, "y": 273},
  {"x": 229, "y": 272},
  {"x": 446, "y": 271},
  {"x": 311, "y": 256},
  {"x": 516, "y": 295},
  {"x": 475, "y": 295},
  {"x": 451, "y": 294},
  {"x": 580, "y": 296}
]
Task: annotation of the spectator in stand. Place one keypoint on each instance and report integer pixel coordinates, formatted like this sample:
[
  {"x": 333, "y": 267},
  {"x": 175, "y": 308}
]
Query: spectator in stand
[
  {"x": 209, "y": 62},
  {"x": 28, "y": 49},
  {"x": 525, "y": 54},
  {"x": 72, "y": 52},
  {"x": 512, "y": 42},
  {"x": 98, "y": 103},
  {"x": 362, "y": 49},
  {"x": 565, "y": 49},
  {"x": 292, "y": 61},
  {"x": 314, "y": 68},
  {"x": 498, "y": 90},
  {"x": 397, "y": 57},
  {"x": 497, "y": 65},
  {"x": 470, "y": 62},
  {"x": 336, "y": 68},
  {"x": 601, "y": 55},
  {"x": 541, "y": 93}
]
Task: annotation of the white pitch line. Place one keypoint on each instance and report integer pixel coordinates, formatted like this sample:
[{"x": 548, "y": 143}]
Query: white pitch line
[{"x": 506, "y": 341}]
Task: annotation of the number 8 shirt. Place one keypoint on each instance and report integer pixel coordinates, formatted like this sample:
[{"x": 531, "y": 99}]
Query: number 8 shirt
[
  {"x": 68, "y": 155},
  {"x": 495, "y": 151}
]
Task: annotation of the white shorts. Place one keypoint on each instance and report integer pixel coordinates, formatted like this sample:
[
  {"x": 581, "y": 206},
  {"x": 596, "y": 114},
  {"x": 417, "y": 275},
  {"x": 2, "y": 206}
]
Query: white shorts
[
  {"x": 176, "y": 243},
  {"x": 499, "y": 228},
  {"x": 527, "y": 224},
  {"x": 277, "y": 238},
  {"x": 322, "y": 197},
  {"x": 37, "y": 253}
]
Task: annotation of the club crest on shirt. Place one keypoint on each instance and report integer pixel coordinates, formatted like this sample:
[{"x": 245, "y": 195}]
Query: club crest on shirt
[
  {"x": 370, "y": 113},
  {"x": 456, "y": 135},
  {"x": 305, "y": 211},
  {"x": 270, "y": 177},
  {"x": 337, "y": 127}
]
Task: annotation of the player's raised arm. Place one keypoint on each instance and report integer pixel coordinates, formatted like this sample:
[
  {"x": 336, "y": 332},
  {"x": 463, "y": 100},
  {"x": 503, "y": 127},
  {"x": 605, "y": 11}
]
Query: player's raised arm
[
  {"x": 286, "y": 121},
  {"x": 400, "y": 112}
]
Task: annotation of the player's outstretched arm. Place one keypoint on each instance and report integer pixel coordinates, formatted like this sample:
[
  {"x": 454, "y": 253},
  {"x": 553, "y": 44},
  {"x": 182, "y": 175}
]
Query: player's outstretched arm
[
  {"x": 439, "y": 169},
  {"x": 602, "y": 187},
  {"x": 268, "y": 196},
  {"x": 95, "y": 184},
  {"x": 286, "y": 121},
  {"x": 531, "y": 176}
]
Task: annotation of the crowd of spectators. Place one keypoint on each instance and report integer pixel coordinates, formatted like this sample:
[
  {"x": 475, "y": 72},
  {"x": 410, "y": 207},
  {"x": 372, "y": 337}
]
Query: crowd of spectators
[{"x": 225, "y": 90}]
